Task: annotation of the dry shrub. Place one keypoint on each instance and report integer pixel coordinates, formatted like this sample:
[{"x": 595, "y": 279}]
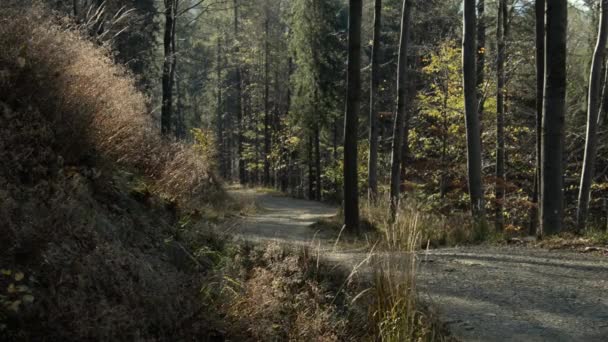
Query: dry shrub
[
  {"x": 286, "y": 296},
  {"x": 89, "y": 104}
]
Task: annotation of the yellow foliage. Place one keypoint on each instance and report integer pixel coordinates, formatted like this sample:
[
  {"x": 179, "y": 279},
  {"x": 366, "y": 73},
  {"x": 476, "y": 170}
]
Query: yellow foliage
[{"x": 204, "y": 142}]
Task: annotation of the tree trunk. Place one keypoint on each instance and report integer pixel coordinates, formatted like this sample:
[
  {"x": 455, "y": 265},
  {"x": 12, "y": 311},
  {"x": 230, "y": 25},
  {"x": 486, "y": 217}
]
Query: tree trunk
[
  {"x": 239, "y": 114},
  {"x": 179, "y": 122},
  {"x": 539, "y": 8},
  {"x": 500, "y": 114},
  {"x": 412, "y": 73},
  {"x": 335, "y": 155},
  {"x": 593, "y": 115},
  {"x": 167, "y": 87},
  {"x": 401, "y": 111},
  {"x": 173, "y": 63},
  {"x": 220, "y": 119},
  {"x": 481, "y": 55},
  {"x": 318, "y": 188},
  {"x": 554, "y": 108},
  {"x": 353, "y": 99},
  {"x": 443, "y": 186},
  {"x": 311, "y": 174},
  {"x": 266, "y": 103},
  {"x": 471, "y": 115},
  {"x": 373, "y": 110}
]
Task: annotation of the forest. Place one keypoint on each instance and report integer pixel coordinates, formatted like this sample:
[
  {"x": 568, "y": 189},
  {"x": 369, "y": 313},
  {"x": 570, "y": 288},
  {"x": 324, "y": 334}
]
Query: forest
[
  {"x": 267, "y": 81},
  {"x": 303, "y": 170}
]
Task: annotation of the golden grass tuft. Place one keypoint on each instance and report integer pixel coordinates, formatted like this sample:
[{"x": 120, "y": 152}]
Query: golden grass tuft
[{"x": 396, "y": 310}]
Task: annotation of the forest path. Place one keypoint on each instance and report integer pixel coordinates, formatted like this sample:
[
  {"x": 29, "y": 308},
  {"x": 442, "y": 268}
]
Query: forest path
[{"x": 483, "y": 293}]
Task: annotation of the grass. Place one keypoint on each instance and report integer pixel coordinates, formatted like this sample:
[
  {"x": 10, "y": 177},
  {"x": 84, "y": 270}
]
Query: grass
[
  {"x": 591, "y": 239},
  {"x": 396, "y": 310}
]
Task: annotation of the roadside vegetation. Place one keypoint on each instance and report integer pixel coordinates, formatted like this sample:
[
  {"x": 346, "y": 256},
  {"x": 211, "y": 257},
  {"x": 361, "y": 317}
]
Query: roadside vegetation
[{"x": 111, "y": 232}]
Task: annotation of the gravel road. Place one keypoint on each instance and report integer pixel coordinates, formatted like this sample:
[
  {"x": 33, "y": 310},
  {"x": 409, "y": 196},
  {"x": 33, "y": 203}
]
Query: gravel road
[{"x": 483, "y": 293}]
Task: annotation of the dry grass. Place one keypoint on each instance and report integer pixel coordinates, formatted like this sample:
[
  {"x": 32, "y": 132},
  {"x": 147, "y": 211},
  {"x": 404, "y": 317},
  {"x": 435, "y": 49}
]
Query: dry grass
[
  {"x": 88, "y": 107},
  {"x": 396, "y": 310},
  {"x": 277, "y": 294},
  {"x": 435, "y": 229}
]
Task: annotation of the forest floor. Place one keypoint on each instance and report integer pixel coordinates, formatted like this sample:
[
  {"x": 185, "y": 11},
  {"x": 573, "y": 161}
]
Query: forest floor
[{"x": 482, "y": 293}]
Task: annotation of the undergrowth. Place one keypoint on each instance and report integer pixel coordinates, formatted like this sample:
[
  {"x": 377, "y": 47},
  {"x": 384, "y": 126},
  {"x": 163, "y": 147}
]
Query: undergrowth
[{"x": 273, "y": 293}]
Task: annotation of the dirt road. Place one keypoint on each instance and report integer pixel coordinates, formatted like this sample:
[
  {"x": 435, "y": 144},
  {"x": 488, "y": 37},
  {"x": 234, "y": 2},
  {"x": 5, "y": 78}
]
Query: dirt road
[{"x": 484, "y": 293}]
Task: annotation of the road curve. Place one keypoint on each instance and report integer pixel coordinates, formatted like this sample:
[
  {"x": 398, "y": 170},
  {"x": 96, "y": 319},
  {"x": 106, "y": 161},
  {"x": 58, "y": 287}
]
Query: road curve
[{"x": 483, "y": 293}]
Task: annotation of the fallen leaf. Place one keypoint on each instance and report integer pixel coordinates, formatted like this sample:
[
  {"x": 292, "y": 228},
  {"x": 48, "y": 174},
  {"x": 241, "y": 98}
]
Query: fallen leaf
[
  {"x": 5, "y": 272},
  {"x": 19, "y": 276}
]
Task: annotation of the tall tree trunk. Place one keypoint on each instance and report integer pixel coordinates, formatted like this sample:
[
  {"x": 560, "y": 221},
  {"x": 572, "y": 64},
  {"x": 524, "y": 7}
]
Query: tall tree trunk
[
  {"x": 443, "y": 186},
  {"x": 472, "y": 119},
  {"x": 266, "y": 102},
  {"x": 318, "y": 187},
  {"x": 500, "y": 114},
  {"x": 401, "y": 111},
  {"x": 288, "y": 172},
  {"x": 311, "y": 175},
  {"x": 539, "y": 9},
  {"x": 353, "y": 99},
  {"x": 180, "y": 124},
  {"x": 220, "y": 118},
  {"x": 481, "y": 55},
  {"x": 411, "y": 94},
  {"x": 593, "y": 115},
  {"x": 179, "y": 120},
  {"x": 167, "y": 87},
  {"x": 335, "y": 155},
  {"x": 173, "y": 55},
  {"x": 554, "y": 108},
  {"x": 373, "y": 110},
  {"x": 239, "y": 110}
]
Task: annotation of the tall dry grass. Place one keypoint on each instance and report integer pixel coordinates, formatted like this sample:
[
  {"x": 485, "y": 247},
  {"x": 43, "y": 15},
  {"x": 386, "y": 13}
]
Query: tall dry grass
[
  {"x": 90, "y": 106},
  {"x": 396, "y": 310}
]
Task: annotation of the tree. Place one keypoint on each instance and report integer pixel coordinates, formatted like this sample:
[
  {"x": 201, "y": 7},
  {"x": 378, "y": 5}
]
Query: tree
[
  {"x": 238, "y": 109},
  {"x": 316, "y": 80},
  {"x": 471, "y": 115},
  {"x": 539, "y": 12},
  {"x": 500, "y": 113},
  {"x": 267, "y": 132},
  {"x": 554, "y": 108},
  {"x": 353, "y": 81},
  {"x": 481, "y": 53},
  {"x": 168, "y": 71},
  {"x": 373, "y": 110},
  {"x": 401, "y": 111},
  {"x": 220, "y": 110},
  {"x": 593, "y": 115}
]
